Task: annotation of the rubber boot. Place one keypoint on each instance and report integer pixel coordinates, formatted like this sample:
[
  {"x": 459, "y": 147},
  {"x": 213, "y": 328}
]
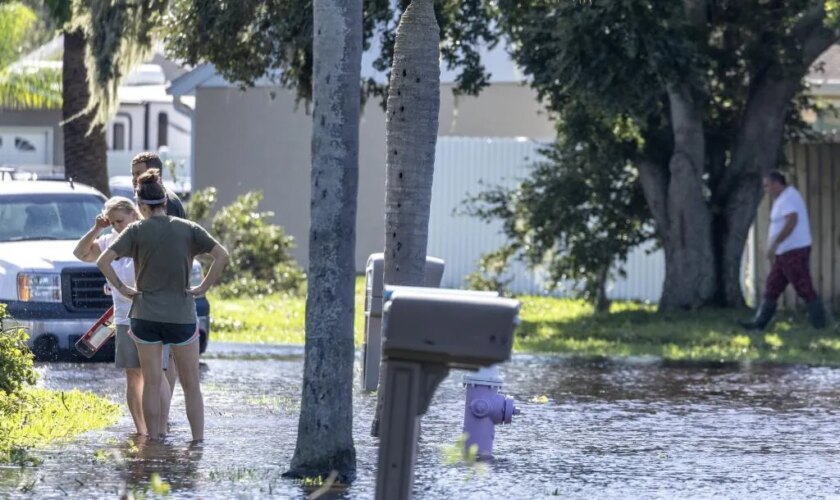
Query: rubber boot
[
  {"x": 762, "y": 317},
  {"x": 816, "y": 313}
]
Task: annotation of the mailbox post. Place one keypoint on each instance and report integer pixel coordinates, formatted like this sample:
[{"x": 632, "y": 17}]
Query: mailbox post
[
  {"x": 427, "y": 332},
  {"x": 374, "y": 285}
]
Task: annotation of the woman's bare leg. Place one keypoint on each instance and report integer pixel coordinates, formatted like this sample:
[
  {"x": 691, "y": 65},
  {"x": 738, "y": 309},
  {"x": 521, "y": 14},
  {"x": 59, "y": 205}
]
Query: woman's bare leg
[
  {"x": 186, "y": 358},
  {"x": 134, "y": 397},
  {"x": 150, "y": 363},
  {"x": 165, "y": 403}
]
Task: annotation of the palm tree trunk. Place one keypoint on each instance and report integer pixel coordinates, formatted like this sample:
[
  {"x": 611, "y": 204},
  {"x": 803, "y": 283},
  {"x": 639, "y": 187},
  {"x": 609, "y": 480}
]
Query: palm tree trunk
[
  {"x": 85, "y": 158},
  {"x": 411, "y": 134},
  {"x": 325, "y": 438}
]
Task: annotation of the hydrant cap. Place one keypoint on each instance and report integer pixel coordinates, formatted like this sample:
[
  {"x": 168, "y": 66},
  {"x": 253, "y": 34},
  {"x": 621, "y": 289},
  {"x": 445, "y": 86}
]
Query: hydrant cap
[{"x": 485, "y": 376}]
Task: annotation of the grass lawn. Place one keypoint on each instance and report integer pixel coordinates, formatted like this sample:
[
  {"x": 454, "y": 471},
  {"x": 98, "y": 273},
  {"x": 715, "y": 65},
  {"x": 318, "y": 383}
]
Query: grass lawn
[
  {"x": 566, "y": 326},
  {"x": 45, "y": 416}
]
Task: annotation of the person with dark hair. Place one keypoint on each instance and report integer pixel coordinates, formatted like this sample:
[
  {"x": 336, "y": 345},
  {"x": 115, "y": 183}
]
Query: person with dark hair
[
  {"x": 142, "y": 163},
  {"x": 789, "y": 252},
  {"x": 163, "y": 304}
]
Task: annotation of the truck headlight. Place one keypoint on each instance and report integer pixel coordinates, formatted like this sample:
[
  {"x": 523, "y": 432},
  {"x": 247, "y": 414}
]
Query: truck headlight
[
  {"x": 196, "y": 275},
  {"x": 39, "y": 287}
]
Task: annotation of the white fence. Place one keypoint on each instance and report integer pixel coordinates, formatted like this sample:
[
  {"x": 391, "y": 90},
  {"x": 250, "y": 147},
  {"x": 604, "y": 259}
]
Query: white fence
[{"x": 466, "y": 166}]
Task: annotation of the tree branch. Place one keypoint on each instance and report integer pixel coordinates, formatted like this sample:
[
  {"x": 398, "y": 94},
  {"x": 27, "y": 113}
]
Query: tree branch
[{"x": 764, "y": 114}]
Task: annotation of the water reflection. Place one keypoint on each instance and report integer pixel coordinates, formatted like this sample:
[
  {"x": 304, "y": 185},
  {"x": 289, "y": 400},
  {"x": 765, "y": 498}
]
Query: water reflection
[{"x": 593, "y": 429}]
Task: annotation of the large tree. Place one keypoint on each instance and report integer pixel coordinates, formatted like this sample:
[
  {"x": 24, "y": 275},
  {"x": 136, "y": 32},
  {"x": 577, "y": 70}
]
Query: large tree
[
  {"x": 325, "y": 437},
  {"x": 712, "y": 90}
]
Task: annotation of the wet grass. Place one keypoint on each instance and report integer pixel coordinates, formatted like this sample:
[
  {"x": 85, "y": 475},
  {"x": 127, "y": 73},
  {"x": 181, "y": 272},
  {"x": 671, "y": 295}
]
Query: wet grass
[
  {"x": 567, "y": 326},
  {"x": 632, "y": 329},
  {"x": 271, "y": 319},
  {"x": 46, "y": 416}
]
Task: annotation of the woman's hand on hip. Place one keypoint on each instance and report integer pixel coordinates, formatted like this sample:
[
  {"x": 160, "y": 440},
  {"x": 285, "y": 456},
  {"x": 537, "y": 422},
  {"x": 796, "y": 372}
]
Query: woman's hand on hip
[
  {"x": 128, "y": 292},
  {"x": 197, "y": 291}
]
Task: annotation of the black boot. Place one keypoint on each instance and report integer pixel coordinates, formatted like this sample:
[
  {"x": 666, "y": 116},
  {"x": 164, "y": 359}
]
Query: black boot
[
  {"x": 762, "y": 317},
  {"x": 816, "y": 313}
]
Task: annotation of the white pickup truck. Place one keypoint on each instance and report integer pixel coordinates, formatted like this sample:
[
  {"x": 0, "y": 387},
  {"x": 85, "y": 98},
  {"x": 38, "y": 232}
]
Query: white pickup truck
[{"x": 49, "y": 292}]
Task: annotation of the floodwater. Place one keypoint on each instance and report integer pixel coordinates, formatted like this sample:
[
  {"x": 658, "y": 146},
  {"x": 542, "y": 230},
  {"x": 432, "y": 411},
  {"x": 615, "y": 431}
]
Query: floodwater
[{"x": 605, "y": 429}]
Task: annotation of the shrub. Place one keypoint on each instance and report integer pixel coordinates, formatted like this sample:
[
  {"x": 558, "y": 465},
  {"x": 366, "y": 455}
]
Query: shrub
[
  {"x": 260, "y": 259},
  {"x": 16, "y": 369}
]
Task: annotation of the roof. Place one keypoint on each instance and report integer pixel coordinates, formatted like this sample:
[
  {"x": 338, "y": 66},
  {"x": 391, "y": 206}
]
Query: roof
[
  {"x": 45, "y": 187},
  {"x": 824, "y": 76},
  {"x": 496, "y": 61}
]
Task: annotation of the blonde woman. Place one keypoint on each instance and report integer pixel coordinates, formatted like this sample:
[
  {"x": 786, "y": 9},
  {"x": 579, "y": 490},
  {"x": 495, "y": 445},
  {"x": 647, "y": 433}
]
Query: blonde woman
[{"x": 118, "y": 213}]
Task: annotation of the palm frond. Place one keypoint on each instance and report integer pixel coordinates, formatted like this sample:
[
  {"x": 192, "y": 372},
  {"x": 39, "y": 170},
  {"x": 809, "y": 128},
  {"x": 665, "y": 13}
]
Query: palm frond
[
  {"x": 39, "y": 89},
  {"x": 119, "y": 36}
]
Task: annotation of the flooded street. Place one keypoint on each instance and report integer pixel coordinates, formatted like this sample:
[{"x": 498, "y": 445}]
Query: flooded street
[{"x": 602, "y": 430}]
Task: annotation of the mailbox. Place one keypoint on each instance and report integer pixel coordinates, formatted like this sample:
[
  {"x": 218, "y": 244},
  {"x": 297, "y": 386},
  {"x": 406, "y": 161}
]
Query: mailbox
[
  {"x": 374, "y": 284},
  {"x": 426, "y": 332},
  {"x": 456, "y": 328}
]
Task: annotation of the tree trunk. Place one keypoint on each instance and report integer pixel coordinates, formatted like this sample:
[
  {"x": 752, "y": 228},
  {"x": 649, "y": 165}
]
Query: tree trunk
[
  {"x": 85, "y": 158},
  {"x": 684, "y": 219},
  {"x": 602, "y": 302},
  {"x": 411, "y": 134},
  {"x": 325, "y": 438}
]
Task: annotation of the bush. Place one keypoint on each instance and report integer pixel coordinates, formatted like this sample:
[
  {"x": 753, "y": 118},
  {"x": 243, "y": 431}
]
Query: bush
[
  {"x": 260, "y": 262},
  {"x": 16, "y": 369}
]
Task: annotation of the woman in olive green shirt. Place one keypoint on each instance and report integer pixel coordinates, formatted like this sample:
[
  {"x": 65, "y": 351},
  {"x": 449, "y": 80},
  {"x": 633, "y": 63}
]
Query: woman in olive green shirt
[{"x": 163, "y": 304}]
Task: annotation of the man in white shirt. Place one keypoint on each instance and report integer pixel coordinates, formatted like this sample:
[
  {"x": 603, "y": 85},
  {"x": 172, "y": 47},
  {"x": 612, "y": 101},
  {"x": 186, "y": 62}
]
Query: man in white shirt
[{"x": 789, "y": 252}]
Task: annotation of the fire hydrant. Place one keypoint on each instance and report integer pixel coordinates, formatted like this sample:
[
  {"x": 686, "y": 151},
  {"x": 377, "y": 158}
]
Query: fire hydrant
[{"x": 485, "y": 409}]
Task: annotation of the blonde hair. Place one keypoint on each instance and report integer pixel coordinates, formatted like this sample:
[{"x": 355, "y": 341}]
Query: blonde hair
[{"x": 121, "y": 203}]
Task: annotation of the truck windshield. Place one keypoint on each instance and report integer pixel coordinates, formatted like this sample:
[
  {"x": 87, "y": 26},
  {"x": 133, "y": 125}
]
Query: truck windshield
[{"x": 47, "y": 216}]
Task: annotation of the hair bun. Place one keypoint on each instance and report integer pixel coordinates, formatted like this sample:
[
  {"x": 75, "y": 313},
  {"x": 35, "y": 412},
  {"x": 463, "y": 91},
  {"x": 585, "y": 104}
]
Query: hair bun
[{"x": 151, "y": 176}]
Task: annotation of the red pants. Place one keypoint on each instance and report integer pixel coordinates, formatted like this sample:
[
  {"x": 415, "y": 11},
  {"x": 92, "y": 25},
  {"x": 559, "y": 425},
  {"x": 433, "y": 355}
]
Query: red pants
[{"x": 791, "y": 267}]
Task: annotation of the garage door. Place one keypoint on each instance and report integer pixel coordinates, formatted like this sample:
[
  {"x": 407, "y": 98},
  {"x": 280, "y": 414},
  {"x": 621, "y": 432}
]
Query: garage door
[{"x": 25, "y": 146}]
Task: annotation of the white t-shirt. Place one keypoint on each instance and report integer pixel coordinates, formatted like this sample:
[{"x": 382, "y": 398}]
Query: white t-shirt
[
  {"x": 790, "y": 202},
  {"x": 124, "y": 267}
]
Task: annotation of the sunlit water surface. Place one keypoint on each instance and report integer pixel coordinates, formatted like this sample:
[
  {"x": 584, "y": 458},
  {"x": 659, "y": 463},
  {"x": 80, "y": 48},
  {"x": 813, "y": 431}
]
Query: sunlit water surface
[{"x": 607, "y": 429}]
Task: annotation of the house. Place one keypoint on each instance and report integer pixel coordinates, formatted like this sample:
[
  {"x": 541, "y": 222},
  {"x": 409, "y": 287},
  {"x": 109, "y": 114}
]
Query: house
[
  {"x": 260, "y": 139},
  {"x": 147, "y": 119}
]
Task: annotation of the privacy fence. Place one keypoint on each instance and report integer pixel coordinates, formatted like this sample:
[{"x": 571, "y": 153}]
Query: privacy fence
[{"x": 815, "y": 171}]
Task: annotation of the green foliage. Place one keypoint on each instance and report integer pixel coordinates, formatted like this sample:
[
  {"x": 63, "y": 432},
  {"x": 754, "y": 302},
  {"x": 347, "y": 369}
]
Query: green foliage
[
  {"x": 119, "y": 36},
  {"x": 39, "y": 89},
  {"x": 16, "y": 370},
  {"x": 260, "y": 262},
  {"x": 43, "y": 416},
  {"x": 493, "y": 271},
  {"x": 250, "y": 39},
  {"x": 581, "y": 209},
  {"x": 15, "y": 21}
]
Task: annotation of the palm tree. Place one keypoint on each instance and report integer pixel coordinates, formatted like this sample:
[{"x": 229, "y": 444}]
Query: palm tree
[
  {"x": 85, "y": 158},
  {"x": 325, "y": 438},
  {"x": 411, "y": 134}
]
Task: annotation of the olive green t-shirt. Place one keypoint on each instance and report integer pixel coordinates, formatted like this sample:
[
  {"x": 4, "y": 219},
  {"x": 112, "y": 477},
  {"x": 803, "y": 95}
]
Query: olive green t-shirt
[{"x": 163, "y": 249}]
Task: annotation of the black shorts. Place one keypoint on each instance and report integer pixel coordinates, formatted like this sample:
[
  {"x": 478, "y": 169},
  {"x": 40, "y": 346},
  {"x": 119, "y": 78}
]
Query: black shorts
[{"x": 155, "y": 332}]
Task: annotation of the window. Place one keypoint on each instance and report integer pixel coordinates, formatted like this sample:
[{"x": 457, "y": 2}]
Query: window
[
  {"x": 118, "y": 142},
  {"x": 22, "y": 144},
  {"x": 46, "y": 216},
  {"x": 163, "y": 129}
]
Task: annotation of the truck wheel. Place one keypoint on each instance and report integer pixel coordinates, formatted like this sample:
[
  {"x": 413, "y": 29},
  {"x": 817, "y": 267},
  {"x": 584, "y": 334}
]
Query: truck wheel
[{"x": 45, "y": 347}]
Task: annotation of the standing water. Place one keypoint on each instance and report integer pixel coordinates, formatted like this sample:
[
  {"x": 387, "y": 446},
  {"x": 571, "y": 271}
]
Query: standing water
[{"x": 588, "y": 429}]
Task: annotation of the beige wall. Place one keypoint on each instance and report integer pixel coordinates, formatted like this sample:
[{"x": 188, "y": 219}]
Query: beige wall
[
  {"x": 247, "y": 140},
  {"x": 38, "y": 118}
]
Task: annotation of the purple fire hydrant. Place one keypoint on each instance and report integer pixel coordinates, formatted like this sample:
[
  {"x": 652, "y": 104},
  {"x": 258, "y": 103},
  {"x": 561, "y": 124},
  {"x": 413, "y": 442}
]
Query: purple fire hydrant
[{"x": 485, "y": 409}]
